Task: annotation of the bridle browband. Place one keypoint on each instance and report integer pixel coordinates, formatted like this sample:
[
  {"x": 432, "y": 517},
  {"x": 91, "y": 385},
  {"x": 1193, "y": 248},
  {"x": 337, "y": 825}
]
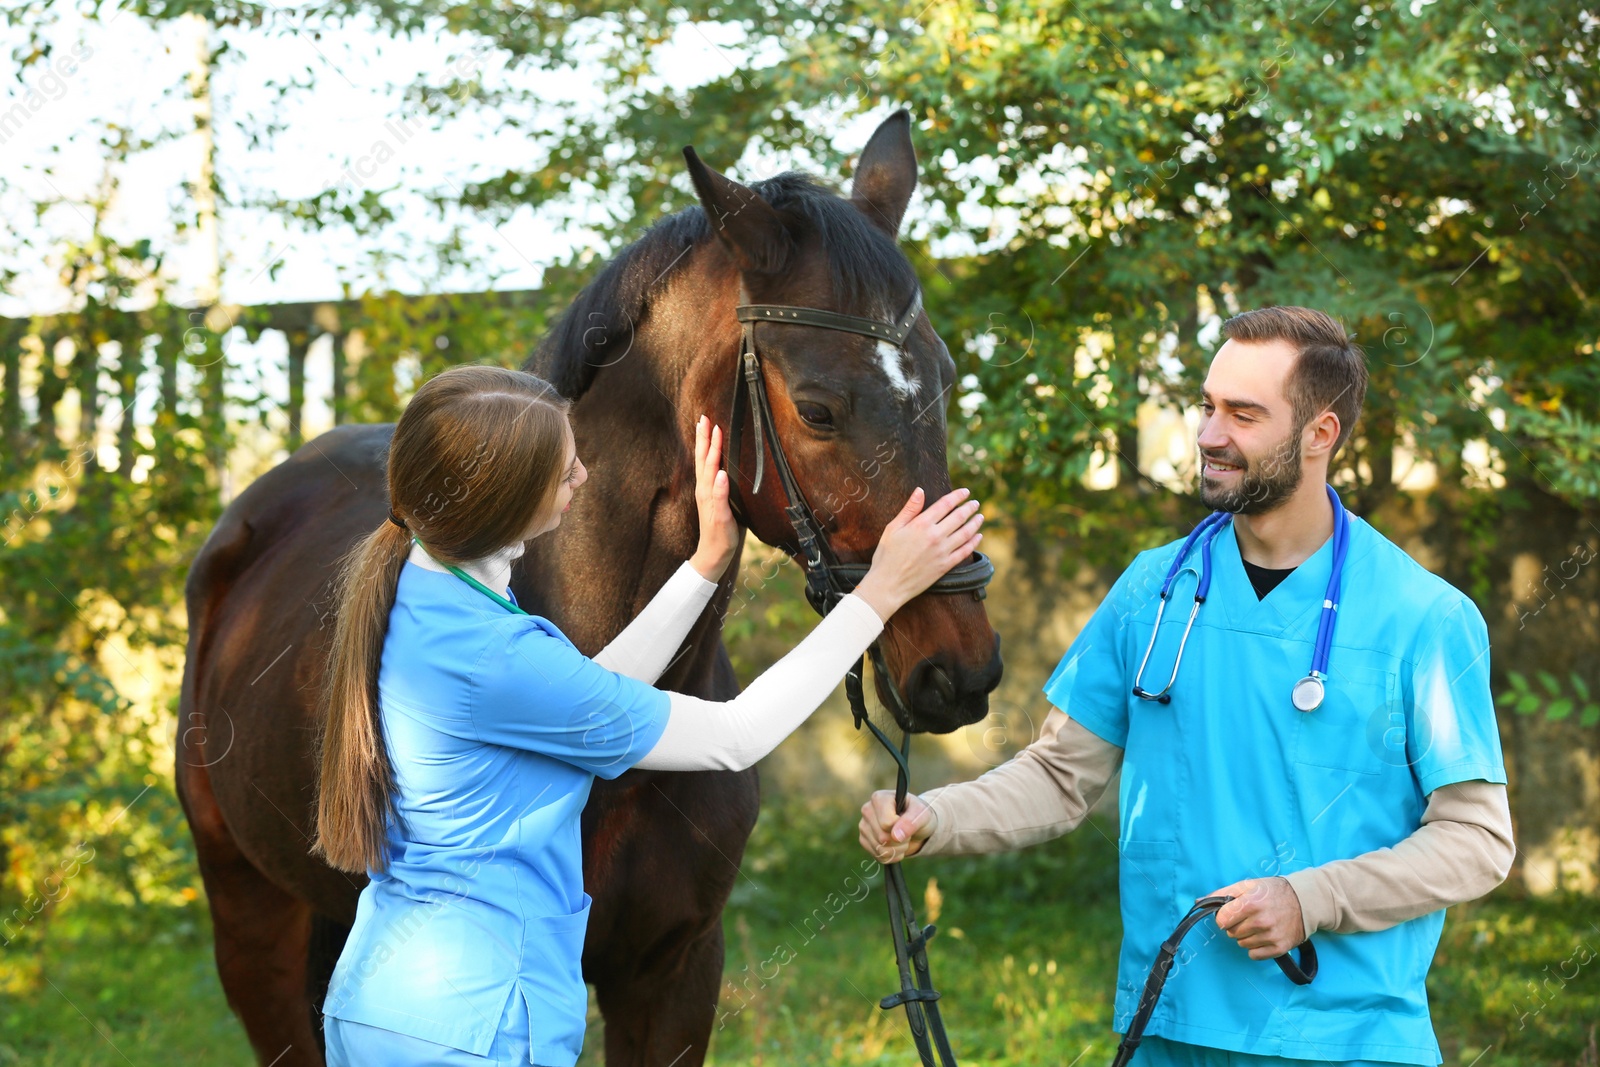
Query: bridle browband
[{"x": 827, "y": 582}]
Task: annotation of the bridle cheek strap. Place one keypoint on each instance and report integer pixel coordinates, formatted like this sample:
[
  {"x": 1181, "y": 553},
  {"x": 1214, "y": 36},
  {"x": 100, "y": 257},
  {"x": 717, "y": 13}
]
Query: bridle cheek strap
[{"x": 750, "y": 387}]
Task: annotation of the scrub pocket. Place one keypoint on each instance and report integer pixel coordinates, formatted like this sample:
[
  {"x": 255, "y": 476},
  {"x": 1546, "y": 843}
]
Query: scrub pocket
[
  {"x": 552, "y": 982},
  {"x": 1147, "y": 873},
  {"x": 352, "y": 1044},
  {"x": 1360, "y": 726}
]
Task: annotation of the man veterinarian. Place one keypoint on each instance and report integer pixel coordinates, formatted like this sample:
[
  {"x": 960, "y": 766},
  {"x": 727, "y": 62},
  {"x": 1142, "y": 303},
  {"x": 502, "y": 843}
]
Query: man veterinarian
[{"x": 1347, "y": 787}]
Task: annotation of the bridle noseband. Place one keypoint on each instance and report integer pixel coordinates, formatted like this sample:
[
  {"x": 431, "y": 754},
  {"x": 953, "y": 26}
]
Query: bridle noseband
[{"x": 827, "y": 582}]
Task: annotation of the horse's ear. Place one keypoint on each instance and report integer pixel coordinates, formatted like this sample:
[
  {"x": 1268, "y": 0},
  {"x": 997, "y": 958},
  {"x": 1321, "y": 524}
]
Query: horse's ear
[
  {"x": 745, "y": 224},
  {"x": 886, "y": 174}
]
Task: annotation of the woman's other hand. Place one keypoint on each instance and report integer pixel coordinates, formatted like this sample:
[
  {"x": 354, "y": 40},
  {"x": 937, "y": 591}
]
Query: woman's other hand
[
  {"x": 918, "y": 546},
  {"x": 719, "y": 533}
]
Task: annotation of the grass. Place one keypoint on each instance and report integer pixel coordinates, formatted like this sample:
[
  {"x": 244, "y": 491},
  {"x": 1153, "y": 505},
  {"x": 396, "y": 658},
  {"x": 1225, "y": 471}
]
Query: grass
[
  {"x": 1025, "y": 957},
  {"x": 109, "y": 985}
]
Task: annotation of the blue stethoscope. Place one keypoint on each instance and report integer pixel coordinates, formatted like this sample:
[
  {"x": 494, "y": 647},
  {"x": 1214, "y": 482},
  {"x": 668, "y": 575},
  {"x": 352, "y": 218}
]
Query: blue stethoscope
[{"x": 1307, "y": 692}]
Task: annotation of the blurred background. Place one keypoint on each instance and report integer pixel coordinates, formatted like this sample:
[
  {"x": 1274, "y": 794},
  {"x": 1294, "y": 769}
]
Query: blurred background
[{"x": 231, "y": 226}]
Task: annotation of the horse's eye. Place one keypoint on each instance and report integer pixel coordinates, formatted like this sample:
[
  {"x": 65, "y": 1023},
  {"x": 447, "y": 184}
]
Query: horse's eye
[{"x": 815, "y": 414}]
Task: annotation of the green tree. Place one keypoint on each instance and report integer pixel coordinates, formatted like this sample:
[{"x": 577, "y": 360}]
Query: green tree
[{"x": 1127, "y": 171}]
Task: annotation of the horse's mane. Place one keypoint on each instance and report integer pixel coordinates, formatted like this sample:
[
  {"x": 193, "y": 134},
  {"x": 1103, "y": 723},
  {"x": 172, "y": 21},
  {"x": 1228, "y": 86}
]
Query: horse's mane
[{"x": 863, "y": 262}]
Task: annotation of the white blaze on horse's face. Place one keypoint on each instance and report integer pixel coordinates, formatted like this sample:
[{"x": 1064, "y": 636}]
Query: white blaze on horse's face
[{"x": 895, "y": 364}]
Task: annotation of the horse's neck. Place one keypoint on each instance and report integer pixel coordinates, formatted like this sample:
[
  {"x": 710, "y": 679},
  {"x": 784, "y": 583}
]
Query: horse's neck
[{"x": 634, "y": 522}]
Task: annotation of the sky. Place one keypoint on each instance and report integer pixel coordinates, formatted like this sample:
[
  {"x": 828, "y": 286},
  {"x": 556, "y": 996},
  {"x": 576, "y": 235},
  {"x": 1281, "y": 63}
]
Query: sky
[
  {"x": 347, "y": 123},
  {"x": 353, "y": 126}
]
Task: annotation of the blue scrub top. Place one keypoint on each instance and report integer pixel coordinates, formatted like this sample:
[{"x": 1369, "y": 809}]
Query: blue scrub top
[
  {"x": 496, "y": 725},
  {"x": 1229, "y": 781}
]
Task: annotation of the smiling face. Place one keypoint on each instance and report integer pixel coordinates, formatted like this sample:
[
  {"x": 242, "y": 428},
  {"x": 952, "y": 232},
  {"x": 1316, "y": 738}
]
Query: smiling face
[
  {"x": 1250, "y": 447},
  {"x": 575, "y": 475}
]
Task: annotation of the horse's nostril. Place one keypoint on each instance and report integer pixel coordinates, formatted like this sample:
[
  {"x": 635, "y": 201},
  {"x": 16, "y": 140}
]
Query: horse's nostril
[
  {"x": 944, "y": 695},
  {"x": 932, "y": 687}
]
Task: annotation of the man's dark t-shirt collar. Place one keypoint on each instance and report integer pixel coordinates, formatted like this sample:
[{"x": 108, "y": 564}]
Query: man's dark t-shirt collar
[{"x": 1264, "y": 579}]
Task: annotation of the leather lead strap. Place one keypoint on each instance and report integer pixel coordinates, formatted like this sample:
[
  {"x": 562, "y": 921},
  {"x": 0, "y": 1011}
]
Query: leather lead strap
[{"x": 1300, "y": 974}]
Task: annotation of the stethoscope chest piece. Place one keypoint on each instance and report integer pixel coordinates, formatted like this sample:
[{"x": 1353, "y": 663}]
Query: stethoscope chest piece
[{"x": 1307, "y": 693}]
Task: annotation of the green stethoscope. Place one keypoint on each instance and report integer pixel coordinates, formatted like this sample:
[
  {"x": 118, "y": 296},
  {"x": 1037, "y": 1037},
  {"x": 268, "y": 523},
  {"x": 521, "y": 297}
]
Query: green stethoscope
[{"x": 470, "y": 580}]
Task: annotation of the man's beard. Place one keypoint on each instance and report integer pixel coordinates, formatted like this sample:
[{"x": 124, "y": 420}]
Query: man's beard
[{"x": 1263, "y": 483}]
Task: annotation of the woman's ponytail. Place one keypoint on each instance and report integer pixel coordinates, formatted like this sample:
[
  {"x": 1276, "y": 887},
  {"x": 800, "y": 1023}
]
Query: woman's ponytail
[{"x": 355, "y": 797}]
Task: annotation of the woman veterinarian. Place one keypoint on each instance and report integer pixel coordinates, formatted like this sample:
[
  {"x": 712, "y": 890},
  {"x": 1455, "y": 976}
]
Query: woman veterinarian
[{"x": 462, "y": 735}]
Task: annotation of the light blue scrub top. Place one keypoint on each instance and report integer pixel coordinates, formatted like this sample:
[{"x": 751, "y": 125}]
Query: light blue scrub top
[
  {"x": 1229, "y": 781},
  {"x": 496, "y": 726}
]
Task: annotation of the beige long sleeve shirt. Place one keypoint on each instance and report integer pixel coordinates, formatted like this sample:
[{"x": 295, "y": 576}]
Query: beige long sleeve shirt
[{"x": 1462, "y": 850}]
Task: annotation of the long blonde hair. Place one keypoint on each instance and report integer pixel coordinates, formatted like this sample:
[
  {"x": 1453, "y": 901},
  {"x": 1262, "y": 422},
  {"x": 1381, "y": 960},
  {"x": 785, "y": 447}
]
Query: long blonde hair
[{"x": 475, "y": 461}]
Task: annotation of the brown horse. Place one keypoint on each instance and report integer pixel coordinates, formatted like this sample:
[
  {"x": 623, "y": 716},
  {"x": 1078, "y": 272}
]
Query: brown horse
[{"x": 645, "y": 349}]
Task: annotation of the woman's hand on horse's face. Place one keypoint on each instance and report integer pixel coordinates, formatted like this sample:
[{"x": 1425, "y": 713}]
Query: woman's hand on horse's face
[
  {"x": 918, "y": 546},
  {"x": 719, "y": 533}
]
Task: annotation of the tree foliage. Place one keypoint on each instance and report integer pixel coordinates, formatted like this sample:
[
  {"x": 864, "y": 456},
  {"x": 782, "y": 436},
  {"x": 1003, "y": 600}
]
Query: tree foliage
[{"x": 1123, "y": 170}]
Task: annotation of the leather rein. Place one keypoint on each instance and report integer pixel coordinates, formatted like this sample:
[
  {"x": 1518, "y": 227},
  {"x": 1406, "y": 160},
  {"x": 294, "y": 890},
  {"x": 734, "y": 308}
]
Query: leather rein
[{"x": 827, "y": 581}]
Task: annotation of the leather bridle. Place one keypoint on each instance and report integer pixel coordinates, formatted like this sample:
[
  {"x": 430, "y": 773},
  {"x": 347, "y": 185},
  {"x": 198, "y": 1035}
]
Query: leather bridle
[
  {"x": 827, "y": 582},
  {"x": 827, "y": 579}
]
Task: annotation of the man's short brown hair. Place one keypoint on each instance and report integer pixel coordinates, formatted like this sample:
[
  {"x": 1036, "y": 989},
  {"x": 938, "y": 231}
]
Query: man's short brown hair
[{"x": 1330, "y": 371}]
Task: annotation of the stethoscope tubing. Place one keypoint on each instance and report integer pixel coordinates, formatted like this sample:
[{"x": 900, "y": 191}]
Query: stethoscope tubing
[
  {"x": 1330, "y": 599},
  {"x": 1205, "y": 532},
  {"x": 1208, "y": 528}
]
